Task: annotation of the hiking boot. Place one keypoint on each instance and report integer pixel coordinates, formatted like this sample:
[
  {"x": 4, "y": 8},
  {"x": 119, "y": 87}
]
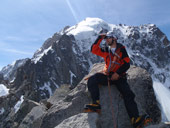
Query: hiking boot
[
  {"x": 94, "y": 107},
  {"x": 141, "y": 121}
]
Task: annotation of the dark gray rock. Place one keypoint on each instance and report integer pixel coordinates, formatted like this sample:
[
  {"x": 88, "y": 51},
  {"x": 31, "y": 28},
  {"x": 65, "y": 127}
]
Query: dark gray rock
[
  {"x": 71, "y": 105},
  {"x": 25, "y": 108},
  {"x": 7, "y": 104},
  {"x": 11, "y": 118},
  {"x": 1, "y": 77},
  {"x": 34, "y": 118},
  {"x": 59, "y": 94}
]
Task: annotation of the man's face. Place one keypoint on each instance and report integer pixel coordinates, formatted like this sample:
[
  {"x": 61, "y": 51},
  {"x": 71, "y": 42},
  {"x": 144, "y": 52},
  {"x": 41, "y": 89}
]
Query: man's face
[{"x": 109, "y": 41}]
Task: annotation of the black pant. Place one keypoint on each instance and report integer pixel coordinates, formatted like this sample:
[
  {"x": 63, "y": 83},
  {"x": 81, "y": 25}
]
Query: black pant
[{"x": 122, "y": 86}]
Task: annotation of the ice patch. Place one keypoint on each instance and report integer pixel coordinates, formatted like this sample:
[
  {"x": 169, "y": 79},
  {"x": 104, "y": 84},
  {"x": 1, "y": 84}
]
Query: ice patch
[
  {"x": 47, "y": 87},
  {"x": 3, "y": 90},
  {"x": 18, "y": 104},
  {"x": 12, "y": 80},
  {"x": 71, "y": 77},
  {"x": 2, "y": 110}
]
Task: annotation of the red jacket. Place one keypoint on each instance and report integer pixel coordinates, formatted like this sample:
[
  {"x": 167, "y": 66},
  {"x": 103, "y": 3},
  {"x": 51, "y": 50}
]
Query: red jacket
[{"x": 119, "y": 60}]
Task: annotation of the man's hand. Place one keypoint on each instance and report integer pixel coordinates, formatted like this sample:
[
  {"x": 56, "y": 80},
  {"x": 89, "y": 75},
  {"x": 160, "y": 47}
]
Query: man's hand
[{"x": 115, "y": 76}]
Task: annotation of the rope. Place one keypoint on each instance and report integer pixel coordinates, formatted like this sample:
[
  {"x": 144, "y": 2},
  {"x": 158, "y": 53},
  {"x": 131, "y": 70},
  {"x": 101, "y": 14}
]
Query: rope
[{"x": 114, "y": 122}]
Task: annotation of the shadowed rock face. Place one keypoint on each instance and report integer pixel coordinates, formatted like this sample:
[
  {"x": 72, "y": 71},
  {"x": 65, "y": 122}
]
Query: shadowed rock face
[{"x": 68, "y": 110}]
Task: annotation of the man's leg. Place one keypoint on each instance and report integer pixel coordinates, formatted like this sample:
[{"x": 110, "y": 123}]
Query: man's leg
[
  {"x": 128, "y": 97},
  {"x": 93, "y": 85},
  {"x": 130, "y": 104}
]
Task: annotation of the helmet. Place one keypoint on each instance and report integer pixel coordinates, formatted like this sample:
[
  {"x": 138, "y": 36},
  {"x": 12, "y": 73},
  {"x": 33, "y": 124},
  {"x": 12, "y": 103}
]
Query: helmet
[{"x": 110, "y": 34}]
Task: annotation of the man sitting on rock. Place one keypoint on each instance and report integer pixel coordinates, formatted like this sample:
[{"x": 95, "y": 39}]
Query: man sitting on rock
[{"x": 116, "y": 65}]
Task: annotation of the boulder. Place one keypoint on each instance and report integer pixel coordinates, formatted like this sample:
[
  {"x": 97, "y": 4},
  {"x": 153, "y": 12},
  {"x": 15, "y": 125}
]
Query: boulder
[
  {"x": 67, "y": 111},
  {"x": 82, "y": 120},
  {"x": 72, "y": 105},
  {"x": 33, "y": 118}
]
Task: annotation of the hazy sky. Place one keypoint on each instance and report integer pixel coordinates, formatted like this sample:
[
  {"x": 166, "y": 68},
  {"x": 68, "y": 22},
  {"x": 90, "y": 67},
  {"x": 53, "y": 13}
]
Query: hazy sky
[{"x": 26, "y": 24}]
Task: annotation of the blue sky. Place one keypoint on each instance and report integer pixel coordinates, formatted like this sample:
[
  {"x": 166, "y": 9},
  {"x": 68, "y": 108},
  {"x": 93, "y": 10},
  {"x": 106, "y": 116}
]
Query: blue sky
[{"x": 26, "y": 24}]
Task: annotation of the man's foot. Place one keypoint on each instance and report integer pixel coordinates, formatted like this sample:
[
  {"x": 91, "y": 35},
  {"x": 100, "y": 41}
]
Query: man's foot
[
  {"x": 94, "y": 107},
  {"x": 141, "y": 121}
]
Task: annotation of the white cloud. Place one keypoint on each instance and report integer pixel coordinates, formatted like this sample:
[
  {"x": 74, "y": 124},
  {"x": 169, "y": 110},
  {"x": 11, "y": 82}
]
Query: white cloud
[{"x": 17, "y": 51}]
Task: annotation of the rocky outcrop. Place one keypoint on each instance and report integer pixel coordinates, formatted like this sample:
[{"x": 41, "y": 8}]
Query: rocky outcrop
[{"x": 67, "y": 112}]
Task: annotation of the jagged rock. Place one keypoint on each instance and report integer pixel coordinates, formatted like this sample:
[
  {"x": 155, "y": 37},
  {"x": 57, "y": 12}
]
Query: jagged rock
[
  {"x": 34, "y": 118},
  {"x": 14, "y": 118},
  {"x": 1, "y": 77},
  {"x": 82, "y": 120},
  {"x": 59, "y": 94},
  {"x": 25, "y": 108},
  {"x": 71, "y": 105},
  {"x": 7, "y": 104}
]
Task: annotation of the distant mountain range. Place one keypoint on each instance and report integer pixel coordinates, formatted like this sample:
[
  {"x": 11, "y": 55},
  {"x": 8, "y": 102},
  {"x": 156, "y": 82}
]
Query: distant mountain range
[{"x": 65, "y": 58}]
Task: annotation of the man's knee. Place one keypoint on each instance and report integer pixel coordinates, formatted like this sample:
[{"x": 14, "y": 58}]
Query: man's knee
[
  {"x": 94, "y": 80},
  {"x": 91, "y": 81}
]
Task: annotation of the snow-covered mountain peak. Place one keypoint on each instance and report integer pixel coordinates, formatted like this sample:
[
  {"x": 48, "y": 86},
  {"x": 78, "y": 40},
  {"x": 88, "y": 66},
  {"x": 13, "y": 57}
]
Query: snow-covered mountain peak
[
  {"x": 86, "y": 32},
  {"x": 88, "y": 25},
  {"x": 9, "y": 70}
]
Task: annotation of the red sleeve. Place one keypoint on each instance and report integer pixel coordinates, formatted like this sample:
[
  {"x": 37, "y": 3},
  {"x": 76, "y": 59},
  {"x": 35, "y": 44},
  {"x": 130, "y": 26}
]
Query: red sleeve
[{"x": 95, "y": 48}]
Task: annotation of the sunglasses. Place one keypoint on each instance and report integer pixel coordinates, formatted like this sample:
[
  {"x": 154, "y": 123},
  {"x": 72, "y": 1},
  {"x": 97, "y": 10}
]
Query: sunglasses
[{"x": 107, "y": 37}]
